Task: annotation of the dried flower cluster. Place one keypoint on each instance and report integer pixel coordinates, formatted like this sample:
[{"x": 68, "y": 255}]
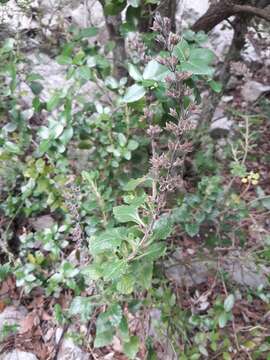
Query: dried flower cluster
[
  {"x": 138, "y": 49},
  {"x": 72, "y": 198},
  {"x": 168, "y": 165},
  {"x": 165, "y": 37}
]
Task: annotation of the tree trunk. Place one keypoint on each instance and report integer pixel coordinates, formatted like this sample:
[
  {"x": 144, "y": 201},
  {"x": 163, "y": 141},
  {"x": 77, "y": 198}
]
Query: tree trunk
[
  {"x": 167, "y": 8},
  {"x": 240, "y": 25},
  {"x": 113, "y": 24}
]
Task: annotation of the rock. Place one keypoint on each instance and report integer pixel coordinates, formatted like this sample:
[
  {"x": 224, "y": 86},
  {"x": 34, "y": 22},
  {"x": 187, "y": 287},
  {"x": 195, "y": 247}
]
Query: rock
[
  {"x": 41, "y": 222},
  {"x": 68, "y": 350},
  {"x": 233, "y": 83},
  {"x": 221, "y": 125},
  {"x": 12, "y": 315},
  {"x": 241, "y": 269},
  {"x": 246, "y": 272},
  {"x": 187, "y": 276},
  {"x": 252, "y": 90},
  {"x": 190, "y": 274},
  {"x": 18, "y": 355},
  {"x": 227, "y": 98}
]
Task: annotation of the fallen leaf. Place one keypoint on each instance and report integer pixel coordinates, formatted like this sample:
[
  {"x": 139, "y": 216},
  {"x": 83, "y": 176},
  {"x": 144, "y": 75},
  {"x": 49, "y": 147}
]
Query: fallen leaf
[
  {"x": 2, "y": 306},
  {"x": 29, "y": 323}
]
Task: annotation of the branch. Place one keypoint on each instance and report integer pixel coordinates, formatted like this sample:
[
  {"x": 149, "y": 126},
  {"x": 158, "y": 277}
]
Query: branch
[
  {"x": 225, "y": 9},
  {"x": 252, "y": 10}
]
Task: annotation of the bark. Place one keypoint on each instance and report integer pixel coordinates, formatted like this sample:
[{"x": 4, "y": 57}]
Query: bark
[
  {"x": 113, "y": 24},
  {"x": 167, "y": 8},
  {"x": 214, "y": 15},
  {"x": 240, "y": 26},
  {"x": 227, "y": 8}
]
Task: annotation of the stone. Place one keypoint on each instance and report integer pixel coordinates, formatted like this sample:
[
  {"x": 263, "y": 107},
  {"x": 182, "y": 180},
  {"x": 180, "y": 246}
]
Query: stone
[
  {"x": 42, "y": 222},
  {"x": 252, "y": 90},
  {"x": 18, "y": 355},
  {"x": 69, "y": 350},
  {"x": 12, "y": 315},
  {"x": 191, "y": 274},
  {"x": 247, "y": 272},
  {"x": 221, "y": 125}
]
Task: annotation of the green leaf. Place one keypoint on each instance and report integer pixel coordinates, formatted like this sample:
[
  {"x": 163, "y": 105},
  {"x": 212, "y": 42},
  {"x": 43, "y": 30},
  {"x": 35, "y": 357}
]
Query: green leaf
[
  {"x": 82, "y": 306},
  {"x": 56, "y": 130},
  {"x": 53, "y": 102},
  {"x": 215, "y": 86},
  {"x": 134, "y": 93},
  {"x": 182, "y": 50},
  {"x": 154, "y": 251},
  {"x": 111, "y": 82},
  {"x": 12, "y": 147},
  {"x": 162, "y": 228},
  {"x": 123, "y": 329},
  {"x": 203, "y": 350},
  {"x": 114, "y": 269},
  {"x": 64, "y": 60},
  {"x": 192, "y": 229},
  {"x": 114, "y": 7},
  {"x": 204, "y": 55},
  {"x": 134, "y": 72},
  {"x": 201, "y": 37},
  {"x": 92, "y": 272},
  {"x": 125, "y": 284},
  {"x": 198, "y": 62},
  {"x": 266, "y": 203},
  {"x": 34, "y": 77},
  {"x": 132, "y": 145},
  {"x": 36, "y": 87},
  {"x": 122, "y": 139},
  {"x": 132, "y": 184},
  {"x": 127, "y": 213},
  {"x": 104, "y": 330},
  {"x": 108, "y": 240},
  {"x": 226, "y": 356},
  {"x": 155, "y": 71},
  {"x": 84, "y": 73},
  {"x": 88, "y": 32},
  {"x": 238, "y": 169},
  {"x": 132, "y": 347},
  {"x": 104, "y": 338},
  {"x": 228, "y": 303},
  {"x": 8, "y": 45},
  {"x": 66, "y": 135},
  {"x": 222, "y": 320},
  {"x": 144, "y": 274},
  {"x": 44, "y": 132},
  {"x": 197, "y": 67},
  {"x": 114, "y": 314},
  {"x": 134, "y": 3}
]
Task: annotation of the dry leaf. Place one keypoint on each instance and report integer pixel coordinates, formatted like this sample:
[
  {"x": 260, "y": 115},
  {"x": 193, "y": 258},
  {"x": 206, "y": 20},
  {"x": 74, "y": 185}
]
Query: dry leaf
[{"x": 29, "y": 323}]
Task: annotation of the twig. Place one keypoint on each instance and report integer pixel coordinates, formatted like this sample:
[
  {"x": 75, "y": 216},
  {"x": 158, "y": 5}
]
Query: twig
[
  {"x": 252, "y": 10},
  {"x": 58, "y": 345}
]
